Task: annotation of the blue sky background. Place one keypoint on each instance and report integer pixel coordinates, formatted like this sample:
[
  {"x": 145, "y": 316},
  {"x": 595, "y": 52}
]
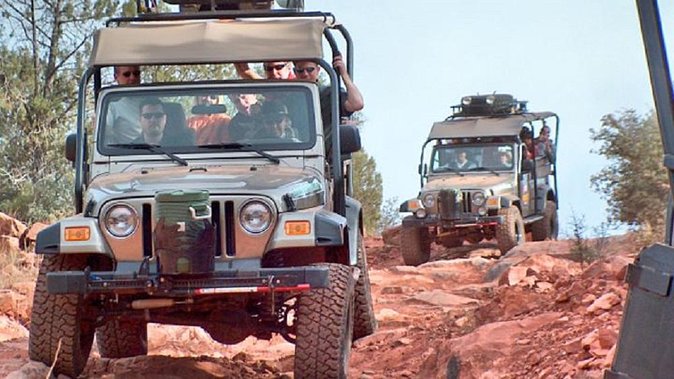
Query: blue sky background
[{"x": 414, "y": 59}]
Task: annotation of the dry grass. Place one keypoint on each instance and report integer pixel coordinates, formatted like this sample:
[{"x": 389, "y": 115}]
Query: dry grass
[{"x": 16, "y": 266}]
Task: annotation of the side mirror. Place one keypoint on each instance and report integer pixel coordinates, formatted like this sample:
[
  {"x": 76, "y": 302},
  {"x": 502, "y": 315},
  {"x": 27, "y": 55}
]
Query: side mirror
[
  {"x": 349, "y": 139},
  {"x": 425, "y": 172},
  {"x": 71, "y": 147}
]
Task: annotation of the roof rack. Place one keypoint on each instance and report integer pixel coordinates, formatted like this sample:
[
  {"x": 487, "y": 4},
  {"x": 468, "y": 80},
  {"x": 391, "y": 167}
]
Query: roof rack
[
  {"x": 488, "y": 105},
  {"x": 188, "y": 6}
]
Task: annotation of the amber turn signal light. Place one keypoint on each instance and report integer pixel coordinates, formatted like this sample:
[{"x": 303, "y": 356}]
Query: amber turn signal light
[
  {"x": 77, "y": 233},
  {"x": 297, "y": 228}
]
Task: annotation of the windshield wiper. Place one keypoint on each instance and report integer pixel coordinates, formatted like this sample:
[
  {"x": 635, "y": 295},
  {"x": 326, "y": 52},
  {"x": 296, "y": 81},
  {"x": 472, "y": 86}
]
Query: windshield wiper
[
  {"x": 241, "y": 147},
  {"x": 153, "y": 148},
  {"x": 482, "y": 168}
]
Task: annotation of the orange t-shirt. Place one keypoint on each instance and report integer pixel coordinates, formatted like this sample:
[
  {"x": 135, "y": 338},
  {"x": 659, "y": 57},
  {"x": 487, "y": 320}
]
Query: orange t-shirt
[{"x": 210, "y": 128}]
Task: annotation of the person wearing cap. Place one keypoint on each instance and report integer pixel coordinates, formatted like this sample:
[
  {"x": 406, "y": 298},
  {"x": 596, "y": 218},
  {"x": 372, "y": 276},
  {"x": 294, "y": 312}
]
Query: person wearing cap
[
  {"x": 122, "y": 118},
  {"x": 276, "y": 122}
]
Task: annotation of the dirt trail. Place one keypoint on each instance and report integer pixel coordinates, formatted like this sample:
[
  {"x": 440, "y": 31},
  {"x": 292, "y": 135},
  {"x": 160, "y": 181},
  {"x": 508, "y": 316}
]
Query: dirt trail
[{"x": 534, "y": 313}]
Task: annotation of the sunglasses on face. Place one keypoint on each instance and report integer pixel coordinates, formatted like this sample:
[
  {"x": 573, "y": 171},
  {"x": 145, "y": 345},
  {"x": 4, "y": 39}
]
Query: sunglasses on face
[
  {"x": 151, "y": 115},
  {"x": 309, "y": 70},
  {"x": 277, "y": 67},
  {"x": 128, "y": 74}
]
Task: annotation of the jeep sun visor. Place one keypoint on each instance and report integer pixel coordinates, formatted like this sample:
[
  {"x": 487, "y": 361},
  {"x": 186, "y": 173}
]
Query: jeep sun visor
[
  {"x": 211, "y": 41},
  {"x": 468, "y": 127}
]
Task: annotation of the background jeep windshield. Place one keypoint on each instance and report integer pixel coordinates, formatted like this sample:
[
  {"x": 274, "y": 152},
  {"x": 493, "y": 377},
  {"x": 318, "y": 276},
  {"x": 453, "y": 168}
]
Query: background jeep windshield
[
  {"x": 492, "y": 157},
  {"x": 200, "y": 120}
]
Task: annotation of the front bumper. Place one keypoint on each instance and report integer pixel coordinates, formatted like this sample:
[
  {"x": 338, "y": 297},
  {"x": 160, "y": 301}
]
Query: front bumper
[
  {"x": 262, "y": 280},
  {"x": 465, "y": 221}
]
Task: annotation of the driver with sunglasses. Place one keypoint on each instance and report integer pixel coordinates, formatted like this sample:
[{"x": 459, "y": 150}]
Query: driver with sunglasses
[{"x": 122, "y": 118}]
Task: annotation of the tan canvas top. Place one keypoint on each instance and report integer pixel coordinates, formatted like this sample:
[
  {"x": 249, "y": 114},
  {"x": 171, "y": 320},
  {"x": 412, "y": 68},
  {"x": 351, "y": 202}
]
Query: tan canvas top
[
  {"x": 484, "y": 126},
  {"x": 210, "y": 41}
]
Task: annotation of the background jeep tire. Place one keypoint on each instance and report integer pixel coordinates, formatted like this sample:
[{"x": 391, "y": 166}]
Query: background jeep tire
[
  {"x": 511, "y": 232},
  {"x": 548, "y": 227},
  {"x": 325, "y": 326},
  {"x": 364, "y": 322},
  {"x": 122, "y": 338},
  {"x": 60, "y": 317},
  {"x": 415, "y": 245}
]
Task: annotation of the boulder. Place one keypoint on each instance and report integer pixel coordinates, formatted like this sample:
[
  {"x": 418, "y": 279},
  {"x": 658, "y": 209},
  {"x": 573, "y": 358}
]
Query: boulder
[{"x": 10, "y": 226}]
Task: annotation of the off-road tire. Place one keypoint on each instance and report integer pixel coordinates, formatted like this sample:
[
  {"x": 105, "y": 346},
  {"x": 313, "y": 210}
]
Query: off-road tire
[
  {"x": 364, "y": 322},
  {"x": 60, "y": 317},
  {"x": 324, "y": 326},
  {"x": 511, "y": 232},
  {"x": 451, "y": 242},
  {"x": 548, "y": 227},
  {"x": 122, "y": 338},
  {"x": 415, "y": 245}
]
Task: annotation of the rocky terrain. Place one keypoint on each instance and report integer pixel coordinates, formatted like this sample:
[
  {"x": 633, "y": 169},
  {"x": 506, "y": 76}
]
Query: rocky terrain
[{"x": 536, "y": 312}]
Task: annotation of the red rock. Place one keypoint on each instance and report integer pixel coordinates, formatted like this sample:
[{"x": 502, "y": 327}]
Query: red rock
[
  {"x": 604, "y": 303},
  {"x": 10, "y": 226},
  {"x": 607, "y": 338}
]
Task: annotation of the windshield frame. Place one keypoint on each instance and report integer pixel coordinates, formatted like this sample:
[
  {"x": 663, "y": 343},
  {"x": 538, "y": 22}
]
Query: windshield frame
[{"x": 188, "y": 90}]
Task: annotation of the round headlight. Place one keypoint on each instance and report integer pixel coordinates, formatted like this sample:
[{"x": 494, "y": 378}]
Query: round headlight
[
  {"x": 490, "y": 99},
  {"x": 420, "y": 213},
  {"x": 429, "y": 200},
  {"x": 466, "y": 100},
  {"x": 478, "y": 198},
  {"x": 121, "y": 220},
  {"x": 255, "y": 217}
]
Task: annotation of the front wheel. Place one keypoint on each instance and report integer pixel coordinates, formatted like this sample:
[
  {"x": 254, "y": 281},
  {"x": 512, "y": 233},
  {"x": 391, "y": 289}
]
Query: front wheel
[
  {"x": 122, "y": 338},
  {"x": 510, "y": 232},
  {"x": 60, "y": 326},
  {"x": 364, "y": 322},
  {"x": 415, "y": 245},
  {"x": 325, "y": 327}
]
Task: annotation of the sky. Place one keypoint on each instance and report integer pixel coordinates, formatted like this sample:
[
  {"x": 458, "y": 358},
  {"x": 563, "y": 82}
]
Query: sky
[{"x": 413, "y": 60}]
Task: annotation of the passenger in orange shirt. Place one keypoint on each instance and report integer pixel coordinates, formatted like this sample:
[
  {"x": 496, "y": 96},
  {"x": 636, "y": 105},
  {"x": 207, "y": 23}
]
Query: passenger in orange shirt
[{"x": 209, "y": 127}]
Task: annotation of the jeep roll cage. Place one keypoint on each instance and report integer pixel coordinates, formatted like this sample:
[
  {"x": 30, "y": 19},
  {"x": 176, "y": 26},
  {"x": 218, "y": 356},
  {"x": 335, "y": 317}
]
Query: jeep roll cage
[{"x": 156, "y": 39}]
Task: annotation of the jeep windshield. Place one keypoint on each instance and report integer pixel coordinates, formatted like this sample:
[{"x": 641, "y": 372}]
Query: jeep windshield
[
  {"x": 206, "y": 119},
  {"x": 458, "y": 158}
]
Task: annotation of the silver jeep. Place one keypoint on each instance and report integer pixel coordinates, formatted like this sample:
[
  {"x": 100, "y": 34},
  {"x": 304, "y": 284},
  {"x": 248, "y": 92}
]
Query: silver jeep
[
  {"x": 250, "y": 233},
  {"x": 480, "y": 181}
]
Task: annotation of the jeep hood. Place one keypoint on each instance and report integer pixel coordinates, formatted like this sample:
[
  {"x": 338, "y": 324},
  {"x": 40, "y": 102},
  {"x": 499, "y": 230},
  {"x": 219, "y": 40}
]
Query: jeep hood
[
  {"x": 269, "y": 180},
  {"x": 497, "y": 184}
]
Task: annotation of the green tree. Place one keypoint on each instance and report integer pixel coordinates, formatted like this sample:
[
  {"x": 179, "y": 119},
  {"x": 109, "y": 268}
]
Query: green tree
[
  {"x": 367, "y": 188},
  {"x": 43, "y": 49},
  {"x": 635, "y": 182}
]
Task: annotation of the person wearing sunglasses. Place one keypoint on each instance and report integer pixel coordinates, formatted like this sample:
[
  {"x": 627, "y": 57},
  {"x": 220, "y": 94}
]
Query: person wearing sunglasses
[
  {"x": 277, "y": 70},
  {"x": 127, "y": 75},
  {"x": 122, "y": 118},
  {"x": 152, "y": 122},
  {"x": 350, "y": 98},
  {"x": 275, "y": 122}
]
